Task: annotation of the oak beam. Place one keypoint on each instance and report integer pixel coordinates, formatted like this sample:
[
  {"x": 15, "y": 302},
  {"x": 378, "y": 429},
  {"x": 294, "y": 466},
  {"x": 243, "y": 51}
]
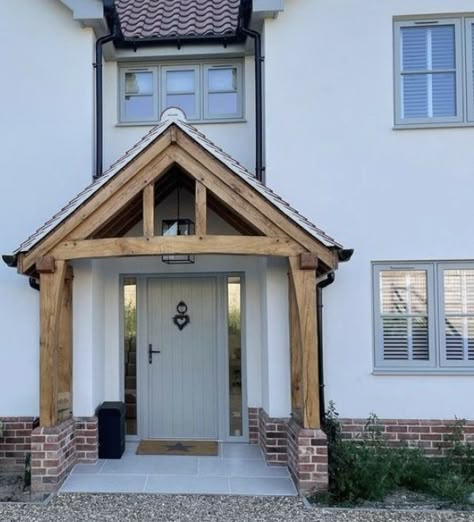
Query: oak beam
[
  {"x": 45, "y": 265},
  {"x": 149, "y": 210},
  {"x": 51, "y": 300},
  {"x": 159, "y": 245},
  {"x": 304, "y": 285},
  {"x": 200, "y": 209}
]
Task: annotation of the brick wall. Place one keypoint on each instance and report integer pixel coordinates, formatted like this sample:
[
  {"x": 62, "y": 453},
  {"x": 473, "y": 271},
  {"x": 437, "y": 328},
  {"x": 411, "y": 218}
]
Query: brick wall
[
  {"x": 433, "y": 436},
  {"x": 254, "y": 433},
  {"x": 52, "y": 456},
  {"x": 86, "y": 433},
  {"x": 307, "y": 458},
  {"x": 15, "y": 443},
  {"x": 273, "y": 439},
  {"x": 54, "y": 451}
]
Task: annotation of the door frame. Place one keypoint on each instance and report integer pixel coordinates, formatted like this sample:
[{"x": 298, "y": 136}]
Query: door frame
[{"x": 222, "y": 345}]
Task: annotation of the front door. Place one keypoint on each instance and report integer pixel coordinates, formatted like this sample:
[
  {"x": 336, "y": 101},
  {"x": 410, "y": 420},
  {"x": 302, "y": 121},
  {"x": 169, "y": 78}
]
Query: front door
[{"x": 182, "y": 377}]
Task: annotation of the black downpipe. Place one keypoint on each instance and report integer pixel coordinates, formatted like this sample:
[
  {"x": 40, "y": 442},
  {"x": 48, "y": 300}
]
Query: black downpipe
[
  {"x": 259, "y": 59},
  {"x": 319, "y": 303},
  {"x": 99, "y": 112}
]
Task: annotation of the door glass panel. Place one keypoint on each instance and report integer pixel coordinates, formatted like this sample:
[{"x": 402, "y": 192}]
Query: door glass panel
[
  {"x": 130, "y": 352},
  {"x": 235, "y": 355}
]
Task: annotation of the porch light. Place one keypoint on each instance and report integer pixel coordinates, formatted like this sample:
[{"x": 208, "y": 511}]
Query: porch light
[{"x": 177, "y": 227}]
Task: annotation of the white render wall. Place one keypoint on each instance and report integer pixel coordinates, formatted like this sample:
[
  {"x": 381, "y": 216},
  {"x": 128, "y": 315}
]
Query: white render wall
[
  {"x": 389, "y": 194},
  {"x": 46, "y": 108}
]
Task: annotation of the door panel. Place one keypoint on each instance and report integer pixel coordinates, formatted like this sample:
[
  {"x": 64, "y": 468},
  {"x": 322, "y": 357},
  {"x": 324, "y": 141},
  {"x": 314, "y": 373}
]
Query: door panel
[{"x": 182, "y": 378}]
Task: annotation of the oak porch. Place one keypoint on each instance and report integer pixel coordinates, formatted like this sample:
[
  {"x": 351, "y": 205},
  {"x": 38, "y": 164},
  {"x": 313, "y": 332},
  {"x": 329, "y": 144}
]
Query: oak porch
[{"x": 95, "y": 230}]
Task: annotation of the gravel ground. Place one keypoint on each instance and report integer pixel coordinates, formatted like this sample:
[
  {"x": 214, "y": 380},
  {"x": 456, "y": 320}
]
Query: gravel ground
[{"x": 188, "y": 508}]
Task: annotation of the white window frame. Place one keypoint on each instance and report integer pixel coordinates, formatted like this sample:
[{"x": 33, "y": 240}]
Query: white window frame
[
  {"x": 206, "y": 69},
  {"x": 438, "y": 363},
  {"x": 459, "y": 39},
  {"x": 468, "y": 31},
  {"x": 380, "y": 362},
  {"x": 201, "y": 68},
  {"x": 135, "y": 69},
  {"x": 197, "y": 89}
]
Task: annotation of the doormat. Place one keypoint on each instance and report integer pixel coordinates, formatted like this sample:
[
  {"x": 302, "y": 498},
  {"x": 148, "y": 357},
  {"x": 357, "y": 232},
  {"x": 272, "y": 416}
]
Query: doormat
[{"x": 200, "y": 448}]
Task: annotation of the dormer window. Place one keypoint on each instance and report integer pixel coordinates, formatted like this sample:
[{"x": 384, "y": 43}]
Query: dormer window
[{"x": 205, "y": 92}]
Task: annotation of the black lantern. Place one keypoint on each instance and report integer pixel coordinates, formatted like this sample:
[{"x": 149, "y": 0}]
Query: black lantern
[{"x": 178, "y": 227}]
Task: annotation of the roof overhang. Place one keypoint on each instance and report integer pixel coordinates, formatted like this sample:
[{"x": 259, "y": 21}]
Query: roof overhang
[{"x": 89, "y": 13}]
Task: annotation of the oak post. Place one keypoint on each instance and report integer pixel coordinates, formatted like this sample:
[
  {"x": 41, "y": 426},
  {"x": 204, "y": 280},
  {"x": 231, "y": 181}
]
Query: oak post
[
  {"x": 201, "y": 209},
  {"x": 149, "y": 210},
  {"x": 51, "y": 300},
  {"x": 304, "y": 285},
  {"x": 295, "y": 354},
  {"x": 65, "y": 351}
]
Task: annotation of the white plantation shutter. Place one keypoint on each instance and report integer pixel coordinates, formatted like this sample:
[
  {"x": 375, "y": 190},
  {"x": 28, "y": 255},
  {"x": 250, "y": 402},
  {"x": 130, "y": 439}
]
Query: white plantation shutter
[
  {"x": 457, "y": 316},
  {"x": 429, "y": 69},
  {"x": 403, "y": 325}
]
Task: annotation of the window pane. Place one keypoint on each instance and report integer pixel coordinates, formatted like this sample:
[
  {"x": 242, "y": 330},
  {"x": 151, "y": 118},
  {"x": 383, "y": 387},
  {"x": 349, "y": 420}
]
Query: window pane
[
  {"x": 186, "y": 102},
  {"x": 235, "y": 355},
  {"x": 444, "y": 94},
  {"x": 415, "y": 96},
  {"x": 222, "y": 103},
  {"x": 130, "y": 352},
  {"x": 459, "y": 314},
  {"x": 443, "y": 47},
  {"x": 139, "y": 108},
  {"x": 403, "y": 292},
  {"x": 222, "y": 79},
  {"x": 414, "y": 48},
  {"x": 180, "y": 81},
  {"x": 395, "y": 338},
  {"x": 459, "y": 291},
  {"x": 139, "y": 83}
]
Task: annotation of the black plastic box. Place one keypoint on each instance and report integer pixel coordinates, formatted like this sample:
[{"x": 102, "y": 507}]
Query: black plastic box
[{"x": 111, "y": 417}]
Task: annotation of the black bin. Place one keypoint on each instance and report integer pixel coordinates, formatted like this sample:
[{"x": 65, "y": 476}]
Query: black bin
[{"x": 111, "y": 417}]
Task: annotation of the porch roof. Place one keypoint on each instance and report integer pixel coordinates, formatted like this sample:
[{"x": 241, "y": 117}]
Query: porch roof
[{"x": 174, "y": 118}]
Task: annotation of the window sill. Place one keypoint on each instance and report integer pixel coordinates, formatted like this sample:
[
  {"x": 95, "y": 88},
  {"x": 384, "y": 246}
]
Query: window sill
[
  {"x": 417, "y": 126},
  {"x": 428, "y": 372},
  {"x": 191, "y": 122}
]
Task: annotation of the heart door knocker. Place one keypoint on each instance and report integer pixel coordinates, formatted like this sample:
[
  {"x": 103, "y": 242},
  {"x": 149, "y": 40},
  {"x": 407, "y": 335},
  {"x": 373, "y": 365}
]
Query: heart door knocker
[{"x": 181, "y": 319}]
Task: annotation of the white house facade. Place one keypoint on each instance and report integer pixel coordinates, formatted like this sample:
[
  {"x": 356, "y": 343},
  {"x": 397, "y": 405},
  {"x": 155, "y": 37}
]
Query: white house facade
[{"x": 178, "y": 280}]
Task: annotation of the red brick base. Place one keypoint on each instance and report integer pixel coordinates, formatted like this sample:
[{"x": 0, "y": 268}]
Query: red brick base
[
  {"x": 433, "y": 436},
  {"x": 54, "y": 451},
  {"x": 273, "y": 439},
  {"x": 307, "y": 458},
  {"x": 16, "y": 442}
]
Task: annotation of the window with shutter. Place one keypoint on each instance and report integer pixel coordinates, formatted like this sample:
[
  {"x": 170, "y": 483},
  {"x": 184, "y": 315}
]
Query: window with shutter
[
  {"x": 424, "y": 317},
  {"x": 457, "y": 316},
  {"x": 403, "y": 317},
  {"x": 429, "y": 72}
]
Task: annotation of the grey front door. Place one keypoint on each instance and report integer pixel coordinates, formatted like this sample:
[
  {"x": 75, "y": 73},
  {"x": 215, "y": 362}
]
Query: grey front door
[{"x": 182, "y": 377}]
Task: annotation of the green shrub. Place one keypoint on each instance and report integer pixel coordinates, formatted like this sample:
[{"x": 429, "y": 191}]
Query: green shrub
[{"x": 366, "y": 468}]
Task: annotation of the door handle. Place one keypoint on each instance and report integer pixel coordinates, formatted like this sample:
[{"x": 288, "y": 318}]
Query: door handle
[{"x": 151, "y": 352}]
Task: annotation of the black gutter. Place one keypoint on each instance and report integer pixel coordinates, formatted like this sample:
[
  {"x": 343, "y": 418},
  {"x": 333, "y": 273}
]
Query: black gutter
[
  {"x": 99, "y": 109},
  {"x": 259, "y": 59},
  {"x": 319, "y": 304},
  {"x": 344, "y": 255}
]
